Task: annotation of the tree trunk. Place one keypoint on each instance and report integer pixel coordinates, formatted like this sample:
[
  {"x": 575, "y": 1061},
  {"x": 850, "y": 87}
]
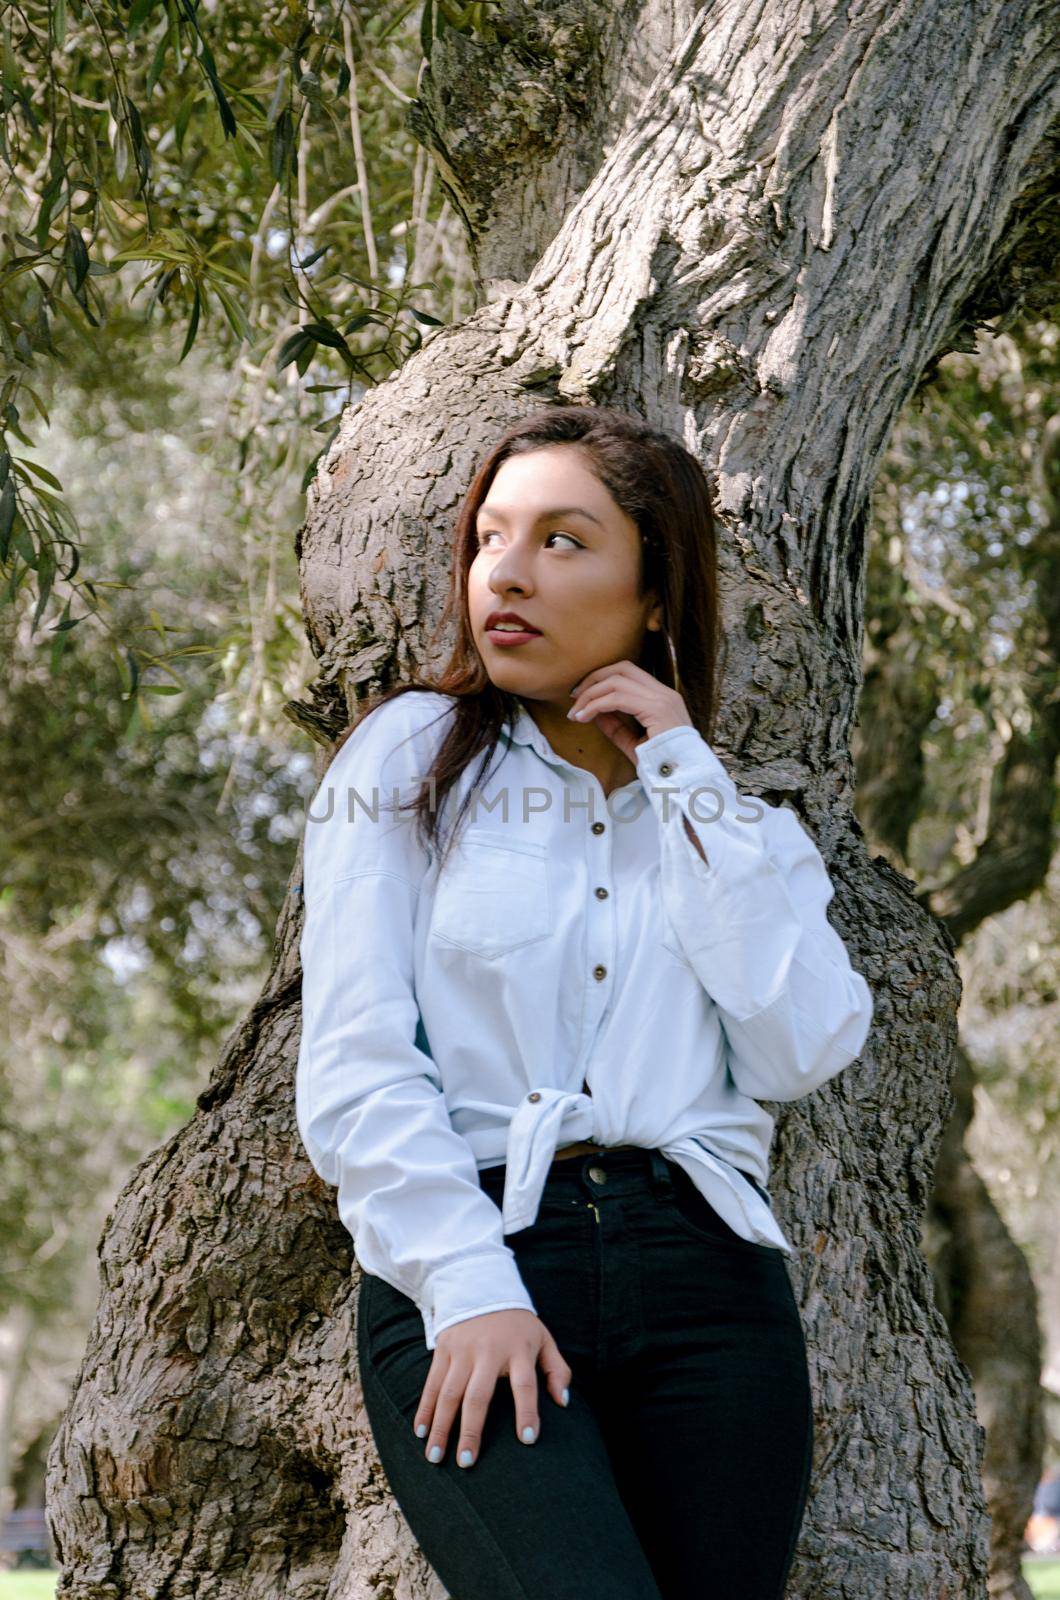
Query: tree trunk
[
  {"x": 774, "y": 241},
  {"x": 16, "y": 1332},
  {"x": 987, "y": 1295}
]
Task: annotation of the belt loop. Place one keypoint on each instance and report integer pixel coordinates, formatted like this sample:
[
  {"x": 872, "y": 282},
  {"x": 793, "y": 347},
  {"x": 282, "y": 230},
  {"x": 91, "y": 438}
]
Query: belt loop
[{"x": 661, "y": 1181}]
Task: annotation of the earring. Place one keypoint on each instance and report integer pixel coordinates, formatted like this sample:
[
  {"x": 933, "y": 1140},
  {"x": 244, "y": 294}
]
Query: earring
[{"x": 673, "y": 663}]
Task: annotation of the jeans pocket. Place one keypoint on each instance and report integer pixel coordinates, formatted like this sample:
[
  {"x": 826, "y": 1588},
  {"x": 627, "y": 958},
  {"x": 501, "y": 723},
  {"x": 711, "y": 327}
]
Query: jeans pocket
[
  {"x": 567, "y": 1201},
  {"x": 695, "y": 1214}
]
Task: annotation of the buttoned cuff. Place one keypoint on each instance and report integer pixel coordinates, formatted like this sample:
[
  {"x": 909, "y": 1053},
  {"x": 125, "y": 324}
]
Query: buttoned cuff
[
  {"x": 682, "y": 775},
  {"x": 469, "y": 1286},
  {"x": 684, "y": 744}
]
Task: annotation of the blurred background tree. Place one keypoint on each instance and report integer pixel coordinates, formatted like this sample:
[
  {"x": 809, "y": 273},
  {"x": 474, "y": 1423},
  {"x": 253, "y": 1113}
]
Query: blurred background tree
[{"x": 956, "y": 764}]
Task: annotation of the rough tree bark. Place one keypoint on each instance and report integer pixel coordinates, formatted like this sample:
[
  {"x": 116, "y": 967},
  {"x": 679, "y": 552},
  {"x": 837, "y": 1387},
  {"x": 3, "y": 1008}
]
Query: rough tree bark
[{"x": 757, "y": 224}]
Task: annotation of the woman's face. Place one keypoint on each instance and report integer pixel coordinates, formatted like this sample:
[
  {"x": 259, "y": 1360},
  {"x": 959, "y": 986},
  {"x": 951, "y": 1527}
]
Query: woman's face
[{"x": 554, "y": 547}]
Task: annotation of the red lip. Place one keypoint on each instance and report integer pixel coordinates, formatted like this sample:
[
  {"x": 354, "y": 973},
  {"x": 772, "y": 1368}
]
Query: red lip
[{"x": 509, "y": 616}]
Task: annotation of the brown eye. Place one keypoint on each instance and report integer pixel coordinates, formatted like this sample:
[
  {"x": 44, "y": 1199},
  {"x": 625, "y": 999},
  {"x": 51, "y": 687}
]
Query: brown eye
[{"x": 488, "y": 533}]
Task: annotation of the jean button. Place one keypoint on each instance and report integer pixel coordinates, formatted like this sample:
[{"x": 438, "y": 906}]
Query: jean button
[{"x": 598, "y": 1175}]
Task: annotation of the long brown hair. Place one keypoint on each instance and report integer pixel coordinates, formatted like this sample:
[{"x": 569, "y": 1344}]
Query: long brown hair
[{"x": 658, "y": 484}]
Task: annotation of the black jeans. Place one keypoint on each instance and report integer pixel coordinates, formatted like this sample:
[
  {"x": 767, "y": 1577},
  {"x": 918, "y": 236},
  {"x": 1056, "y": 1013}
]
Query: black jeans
[{"x": 680, "y": 1469}]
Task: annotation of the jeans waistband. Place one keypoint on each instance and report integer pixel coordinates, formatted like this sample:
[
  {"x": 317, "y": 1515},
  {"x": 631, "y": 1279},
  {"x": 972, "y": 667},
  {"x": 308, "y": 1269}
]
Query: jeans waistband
[{"x": 625, "y": 1166}]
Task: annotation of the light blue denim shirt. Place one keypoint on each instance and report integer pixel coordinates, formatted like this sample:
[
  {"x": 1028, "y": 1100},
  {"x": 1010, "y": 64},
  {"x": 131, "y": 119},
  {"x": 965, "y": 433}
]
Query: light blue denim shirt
[{"x": 450, "y": 1015}]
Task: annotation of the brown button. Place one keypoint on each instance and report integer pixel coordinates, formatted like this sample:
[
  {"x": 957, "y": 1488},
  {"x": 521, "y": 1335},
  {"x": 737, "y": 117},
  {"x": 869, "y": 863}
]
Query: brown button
[
  {"x": 534, "y": 1096},
  {"x": 599, "y": 972},
  {"x": 666, "y": 768},
  {"x": 598, "y": 827},
  {"x": 601, "y": 893}
]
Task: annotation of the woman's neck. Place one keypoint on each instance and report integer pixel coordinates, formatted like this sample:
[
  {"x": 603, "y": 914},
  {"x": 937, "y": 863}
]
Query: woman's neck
[{"x": 582, "y": 745}]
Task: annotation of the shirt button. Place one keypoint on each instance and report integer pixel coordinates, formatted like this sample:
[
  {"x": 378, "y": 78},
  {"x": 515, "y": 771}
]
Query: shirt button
[
  {"x": 598, "y": 1175},
  {"x": 666, "y": 768},
  {"x": 601, "y": 893},
  {"x": 599, "y": 972},
  {"x": 598, "y": 827},
  {"x": 534, "y": 1096}
]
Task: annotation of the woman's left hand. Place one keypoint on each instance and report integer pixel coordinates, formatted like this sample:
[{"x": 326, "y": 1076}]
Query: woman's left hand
[{"x": 628, "y": 705}]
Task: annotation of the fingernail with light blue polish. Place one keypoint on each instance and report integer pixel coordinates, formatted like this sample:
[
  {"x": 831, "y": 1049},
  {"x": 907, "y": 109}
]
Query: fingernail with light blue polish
[
  {"x": 421, "y": 1430},
  {"x": 434, "y": 1453},
  {"x": 466, "y": 1458},
  {"x": 566, "y": 1397},
  {"x": 529, "y": 1435}
]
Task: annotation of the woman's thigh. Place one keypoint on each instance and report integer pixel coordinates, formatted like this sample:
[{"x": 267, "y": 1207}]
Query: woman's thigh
[
  {"x": 709, "y": 1426},
  {"x": 524, "y": 1522}
]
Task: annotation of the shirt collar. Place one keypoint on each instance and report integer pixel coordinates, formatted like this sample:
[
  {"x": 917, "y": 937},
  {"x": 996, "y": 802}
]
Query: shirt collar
[{"x": 522, "y": 729}]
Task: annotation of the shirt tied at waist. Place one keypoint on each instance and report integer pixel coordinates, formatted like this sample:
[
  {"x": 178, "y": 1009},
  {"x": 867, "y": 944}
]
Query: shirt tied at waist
[{"x": 534, "y": 1135}]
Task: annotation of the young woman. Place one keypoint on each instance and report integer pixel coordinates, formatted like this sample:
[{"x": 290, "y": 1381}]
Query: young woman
[{"x": 541, "y": 1004}]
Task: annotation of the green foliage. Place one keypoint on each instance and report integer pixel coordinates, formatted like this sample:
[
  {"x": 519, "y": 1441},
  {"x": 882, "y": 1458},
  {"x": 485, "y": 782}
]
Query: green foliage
[
  {"x": 962, "y": 576},
  {"x": 960, "y": 569},
  {"x": 143, "y": 870},
  {"x": 190, "y": 170}
]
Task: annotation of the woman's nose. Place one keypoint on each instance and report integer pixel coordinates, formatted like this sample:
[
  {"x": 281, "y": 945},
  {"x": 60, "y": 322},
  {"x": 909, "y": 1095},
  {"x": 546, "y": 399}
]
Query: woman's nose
[{"x": 504, "y": 583}]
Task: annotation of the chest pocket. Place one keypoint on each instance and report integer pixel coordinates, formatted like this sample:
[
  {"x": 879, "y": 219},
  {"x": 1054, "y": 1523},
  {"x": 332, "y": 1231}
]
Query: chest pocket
[{"x": 493, "y": 896}]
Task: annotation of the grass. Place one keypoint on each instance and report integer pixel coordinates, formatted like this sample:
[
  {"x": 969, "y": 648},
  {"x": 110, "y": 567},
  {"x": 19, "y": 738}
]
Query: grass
[
  {"x": 1043, "y": 1575},
  {"x": 27, "y": 1585}
]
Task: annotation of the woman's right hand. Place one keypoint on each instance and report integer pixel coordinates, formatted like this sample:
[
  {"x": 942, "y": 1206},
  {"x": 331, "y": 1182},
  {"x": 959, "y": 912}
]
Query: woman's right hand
[{"x": 469, "y": 1357}]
